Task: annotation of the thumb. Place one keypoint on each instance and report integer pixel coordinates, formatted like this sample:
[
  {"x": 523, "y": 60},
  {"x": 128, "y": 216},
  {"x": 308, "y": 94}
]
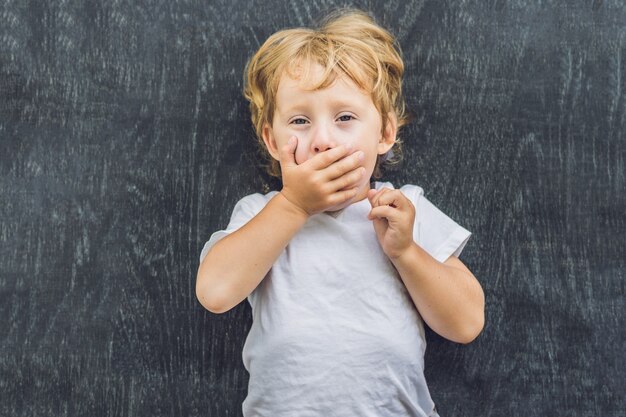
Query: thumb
[
  {"x": 288, "y": 152},
  {"x": 371, "y": 194}
]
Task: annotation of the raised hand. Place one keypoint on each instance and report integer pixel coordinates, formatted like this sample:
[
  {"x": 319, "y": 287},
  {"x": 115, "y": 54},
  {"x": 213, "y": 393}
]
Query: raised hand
[
  {"x": 393, "y": 215},
  {"x": 324, "y": 181}
]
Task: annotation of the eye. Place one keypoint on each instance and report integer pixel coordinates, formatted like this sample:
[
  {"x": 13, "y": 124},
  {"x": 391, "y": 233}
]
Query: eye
[
  {"x": 298, "y": 121},
  {"x": 346, "y": 117}
]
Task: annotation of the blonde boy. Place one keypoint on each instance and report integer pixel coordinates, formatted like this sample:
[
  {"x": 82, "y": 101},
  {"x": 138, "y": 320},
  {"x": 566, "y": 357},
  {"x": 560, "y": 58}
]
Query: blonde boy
[{"x": 340, "y": 272}]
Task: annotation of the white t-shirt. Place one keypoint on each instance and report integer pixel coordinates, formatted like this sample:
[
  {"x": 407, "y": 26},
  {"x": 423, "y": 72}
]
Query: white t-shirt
[{"x": 335, "y": 331}]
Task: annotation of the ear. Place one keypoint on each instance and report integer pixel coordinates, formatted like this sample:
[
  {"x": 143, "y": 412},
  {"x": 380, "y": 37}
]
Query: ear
[
  {"x": 270, "y": 142},
  {"x": 389, "y": 135}
]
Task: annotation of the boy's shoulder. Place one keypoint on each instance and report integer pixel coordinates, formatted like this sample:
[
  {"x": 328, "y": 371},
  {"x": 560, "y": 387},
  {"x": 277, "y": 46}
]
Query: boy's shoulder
[
  {"x": 257, "y": 200},
  {"x": 249, "y": 206}
]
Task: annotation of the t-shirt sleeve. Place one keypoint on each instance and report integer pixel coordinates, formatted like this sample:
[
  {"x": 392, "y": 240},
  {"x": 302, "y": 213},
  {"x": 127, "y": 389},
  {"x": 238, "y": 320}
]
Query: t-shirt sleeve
[
  {"x": 245, "y": 209},
  {"x": 433, "y": 230}
]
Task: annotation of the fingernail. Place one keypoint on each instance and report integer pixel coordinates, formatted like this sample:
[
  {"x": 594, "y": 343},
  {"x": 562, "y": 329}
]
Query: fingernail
[{"x": 361, "y": 155}]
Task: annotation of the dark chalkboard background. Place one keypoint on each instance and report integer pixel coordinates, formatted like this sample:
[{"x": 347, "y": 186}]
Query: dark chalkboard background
[{"x": 125, "y": 141}]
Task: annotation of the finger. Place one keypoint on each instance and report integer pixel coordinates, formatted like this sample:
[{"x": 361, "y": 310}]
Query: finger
[
  {"x": 347, "y": 180},
  {"x": 324, "y": 159},
  {"x": 287, "y": 153},
  {"x": 375, "y": 201},
  {"x": 380, "y": 227},
  {"x": 393, "y": 198},
  {"x": 347, "y": 164},
  {"x": 343, "y": 195},
  {"x": 371, "y": 193},
  {"x": 382, "y": 212}
]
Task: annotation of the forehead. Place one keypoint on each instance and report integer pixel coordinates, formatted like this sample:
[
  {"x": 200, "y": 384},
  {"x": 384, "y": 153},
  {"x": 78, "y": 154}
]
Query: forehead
[{"x": 298, "y": 86}]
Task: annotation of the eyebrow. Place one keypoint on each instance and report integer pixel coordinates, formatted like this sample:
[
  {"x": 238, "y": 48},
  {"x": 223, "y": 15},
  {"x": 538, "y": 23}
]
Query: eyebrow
[{"x": 334, "y": 104}]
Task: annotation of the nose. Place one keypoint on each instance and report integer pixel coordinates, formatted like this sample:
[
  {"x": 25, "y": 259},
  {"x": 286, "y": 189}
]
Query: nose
[{"x": 321, "y": 140}]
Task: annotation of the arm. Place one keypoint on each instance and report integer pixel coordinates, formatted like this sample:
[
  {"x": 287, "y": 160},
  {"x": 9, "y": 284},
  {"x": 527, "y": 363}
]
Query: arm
[
  {"x": 447, "y": 295},
  {"x": 236, "y": 264}
]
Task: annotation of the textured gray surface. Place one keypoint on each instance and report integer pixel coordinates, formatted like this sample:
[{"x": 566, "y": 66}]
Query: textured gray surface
[{"x": 125, "y": 141}]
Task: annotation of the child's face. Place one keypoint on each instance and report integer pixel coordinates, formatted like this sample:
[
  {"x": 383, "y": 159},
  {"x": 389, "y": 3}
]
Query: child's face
[{"x": 323, "y": 119}]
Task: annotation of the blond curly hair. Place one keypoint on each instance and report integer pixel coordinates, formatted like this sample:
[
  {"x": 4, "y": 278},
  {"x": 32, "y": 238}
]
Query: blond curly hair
[{"x": 346, "y": 42}]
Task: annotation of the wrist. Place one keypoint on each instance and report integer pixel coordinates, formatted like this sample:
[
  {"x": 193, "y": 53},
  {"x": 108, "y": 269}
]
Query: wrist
[
  {"x": 291, "y": 207},
  {"x": 402, "y": 257}
]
